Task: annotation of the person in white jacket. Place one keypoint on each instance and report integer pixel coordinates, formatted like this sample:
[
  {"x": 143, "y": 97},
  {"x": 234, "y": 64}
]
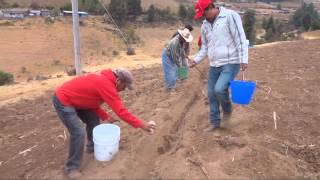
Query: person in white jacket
[{"x": 224, "y": 42}]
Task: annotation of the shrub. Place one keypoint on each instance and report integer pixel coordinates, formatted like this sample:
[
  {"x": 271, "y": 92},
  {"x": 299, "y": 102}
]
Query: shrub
[
  {"x": 23, "y": 69},
  {"x": 15, "y": 5},
  {"x": 7, "y": 23},
  {"x": 115, "y": 53},
  {"x": 56, "y": 62},
  {"x": 34, "y": 5},
  {"x": 133, "y": 38},
  {"x": 5, "y": 78}
]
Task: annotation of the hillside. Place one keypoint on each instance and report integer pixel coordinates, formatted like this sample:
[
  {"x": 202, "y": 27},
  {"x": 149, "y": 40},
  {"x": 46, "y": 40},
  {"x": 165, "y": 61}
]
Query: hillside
[
  {"x": 173, "y": 4},
  {"x": 288, "y": 79},
  {"x": 43, "y": 49}
]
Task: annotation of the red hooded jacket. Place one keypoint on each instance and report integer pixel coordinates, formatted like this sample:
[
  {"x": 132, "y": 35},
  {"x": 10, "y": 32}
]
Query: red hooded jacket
[{"x": 91, "y": 90}]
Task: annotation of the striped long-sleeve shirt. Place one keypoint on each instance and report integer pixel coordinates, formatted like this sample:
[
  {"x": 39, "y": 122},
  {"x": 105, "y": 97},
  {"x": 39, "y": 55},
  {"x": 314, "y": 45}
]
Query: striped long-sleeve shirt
[{"x": 176, "y": 50}]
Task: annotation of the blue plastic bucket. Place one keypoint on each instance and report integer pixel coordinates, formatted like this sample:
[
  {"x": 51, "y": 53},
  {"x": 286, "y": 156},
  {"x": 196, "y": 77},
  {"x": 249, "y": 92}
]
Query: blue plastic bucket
[{"x": 242, "y": 91}]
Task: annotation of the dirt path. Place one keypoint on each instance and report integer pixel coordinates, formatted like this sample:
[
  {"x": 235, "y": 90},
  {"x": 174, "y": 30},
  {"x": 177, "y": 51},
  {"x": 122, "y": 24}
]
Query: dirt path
[{"x": 288, "y": 83}]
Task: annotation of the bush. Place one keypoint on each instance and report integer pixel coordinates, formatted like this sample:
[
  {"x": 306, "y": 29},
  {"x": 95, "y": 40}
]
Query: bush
[
  {"x": 306, "y": 17},
  {"x": 7, "y": 23},
  {"x": 49, "y": 20},
  {"x": 66, "y": 7},
  {"x": 55, "y": 11},
  {"x": 5, "y": 78},
  {"x": 249, "y": 21},
  {"x": 130, "y": 51},
  {"x": 151, "y": 13},
  {"x": 115, "y": 53},
  {"x": 183, "y": 12},
  {"x": 92, "y": 6},
  {"x": 34, "y": 5},
  {"x": 279, "y": 7},
  {"x": 15, "y": 5},
  {"x": 132, "y": 37},
  {"x": 23, "y": 69},
  {"x": 3, "y": 4},
  {"x": 56, "y": 62},
  {"x": 134, "y": 7},
  {"x": 191, "y": 13},
  {"x": 82, "y": 23},
  {"x": 118, "y": 8}
]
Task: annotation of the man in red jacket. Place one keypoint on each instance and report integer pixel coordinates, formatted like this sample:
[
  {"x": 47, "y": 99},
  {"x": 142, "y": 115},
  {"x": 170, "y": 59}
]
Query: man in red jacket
[{"x": 80, "y": 99}]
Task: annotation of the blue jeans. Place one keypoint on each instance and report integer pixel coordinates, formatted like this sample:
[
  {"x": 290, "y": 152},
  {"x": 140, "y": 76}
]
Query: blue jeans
[
  {"x": 170, "y": 70},
  {"x": 71, "y": 117},
  {"x": 218, "y": 94}
]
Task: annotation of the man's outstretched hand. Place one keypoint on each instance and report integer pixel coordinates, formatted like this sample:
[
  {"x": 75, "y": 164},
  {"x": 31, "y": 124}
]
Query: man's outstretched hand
[{"x": 149, "y": 127}]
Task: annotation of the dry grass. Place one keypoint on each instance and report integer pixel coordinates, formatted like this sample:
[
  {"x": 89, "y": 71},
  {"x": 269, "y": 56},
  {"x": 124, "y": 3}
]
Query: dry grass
[{"x": 311, "y": 35}]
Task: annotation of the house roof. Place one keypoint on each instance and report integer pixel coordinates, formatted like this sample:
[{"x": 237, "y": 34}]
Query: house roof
[
  {"x": 15, "y": 10},
  {"x": 79, "y": 12}
]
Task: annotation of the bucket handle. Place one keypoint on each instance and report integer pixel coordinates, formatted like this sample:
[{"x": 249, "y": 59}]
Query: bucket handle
[{"x": 243, "y": 76}]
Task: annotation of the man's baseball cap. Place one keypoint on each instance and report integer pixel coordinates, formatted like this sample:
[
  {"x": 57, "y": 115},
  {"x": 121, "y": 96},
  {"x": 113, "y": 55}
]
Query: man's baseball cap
[
  {"x": 126, "y": 76},
  {"x": 200, "y": 6}
]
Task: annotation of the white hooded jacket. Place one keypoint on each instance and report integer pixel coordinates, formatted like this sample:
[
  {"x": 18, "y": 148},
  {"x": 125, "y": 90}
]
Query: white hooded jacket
[{"x": 224, "y": 41}]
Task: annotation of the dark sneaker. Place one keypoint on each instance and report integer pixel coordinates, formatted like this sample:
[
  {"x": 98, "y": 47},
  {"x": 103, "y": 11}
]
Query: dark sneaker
[
  {"x": 210, "y": 129},
  {"x": 74, "y": 174},
  {"x": 226, "y": 116}
]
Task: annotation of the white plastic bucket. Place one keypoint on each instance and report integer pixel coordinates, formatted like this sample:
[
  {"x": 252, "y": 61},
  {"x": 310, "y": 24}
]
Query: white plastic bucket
[{"x": 106, "y": 139}]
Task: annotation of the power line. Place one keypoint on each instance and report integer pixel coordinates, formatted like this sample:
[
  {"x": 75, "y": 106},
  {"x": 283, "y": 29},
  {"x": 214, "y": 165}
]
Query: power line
[{"x": 123, "y": 35}]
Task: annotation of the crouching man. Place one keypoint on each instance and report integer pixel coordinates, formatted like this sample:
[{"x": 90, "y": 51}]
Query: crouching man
[{"x": 80, "y": 99}]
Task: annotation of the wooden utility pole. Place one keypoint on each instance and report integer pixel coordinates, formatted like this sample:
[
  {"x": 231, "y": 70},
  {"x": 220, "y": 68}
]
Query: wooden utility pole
[{"x": 76, "y": 36}]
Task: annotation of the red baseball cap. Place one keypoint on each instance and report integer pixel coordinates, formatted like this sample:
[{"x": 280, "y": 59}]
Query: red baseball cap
[{"x": 200, "y": 6}]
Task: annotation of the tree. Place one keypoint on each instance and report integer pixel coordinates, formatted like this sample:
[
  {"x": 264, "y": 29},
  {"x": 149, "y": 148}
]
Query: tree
[
  {"x": 249, "y": 21},
  {"x": 264, "y": 23},
  {"x": 306, "y": 22},
  {"x": 5, "y": 78},
  {"x": 306, "y": 17},
  {"x": 55, "y": 11},
  {"x": 183, "y": 13},
  {"x": 134, "y": 7},
  {"x": 151, "y": 13},
  {"x": 118, "y": 10},
  {"x": 34, "y": 5},
  {"x": 91, "y": 6},
  {"x": 269, "y": 35},
  {"x": 3, "y": 4},
  {"x": 191, "y": 13},
  {"x": 279, "y": 28},
  {"x": 270, "y": 25},
  {"x": 279, "y": 7},
  {"x": 166, "y": 14},
  {"x": 15, "y": 5},
  {"x": 66, "y": 7},
  {"x": 270, "y": 29}
]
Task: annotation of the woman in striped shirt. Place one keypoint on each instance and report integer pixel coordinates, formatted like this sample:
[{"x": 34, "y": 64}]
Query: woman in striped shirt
[{"x": 174, "y": 56}]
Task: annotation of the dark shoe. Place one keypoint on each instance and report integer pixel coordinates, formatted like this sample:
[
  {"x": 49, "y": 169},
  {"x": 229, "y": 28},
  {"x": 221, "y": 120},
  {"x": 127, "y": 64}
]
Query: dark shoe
[
  {"x": 226, "y": 116},
  {"x": 74, "y": 174},
  {"x": 210, "y": 128}
]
